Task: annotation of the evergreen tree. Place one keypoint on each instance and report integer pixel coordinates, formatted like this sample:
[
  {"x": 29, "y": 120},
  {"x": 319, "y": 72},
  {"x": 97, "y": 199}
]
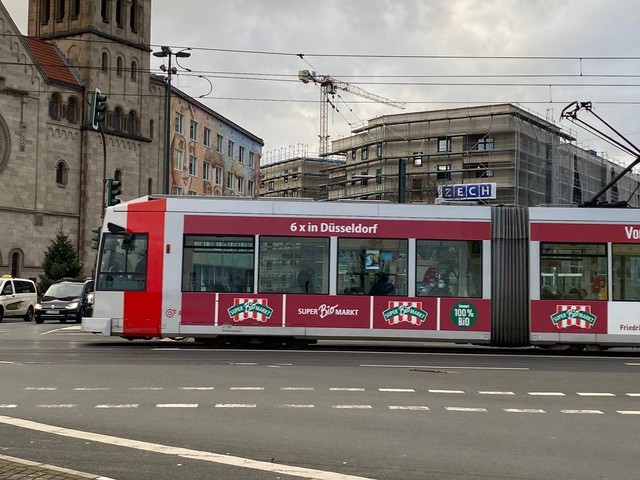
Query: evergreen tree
[{"x": 60, "y": 260}]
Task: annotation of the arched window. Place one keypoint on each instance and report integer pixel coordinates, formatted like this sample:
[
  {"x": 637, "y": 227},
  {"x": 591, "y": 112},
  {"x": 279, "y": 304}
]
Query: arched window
[
  {"x": 105, "y": 62},
  {"x": 131, "y": 122},
  {"x": 104, "y": 10},
  {"x": 119, "y": 66},
  {"x": 75, "y": 9},
  {"x": 54, "y": 106},
  {"x": 62, "y": 174},
  {"x": 151, "y": 128},
  {"x": 60, "y": 10},
  {"x": 45, "y": 11},
  {"x": 133, "y": 16},
  {"x": 71, "y": 112},
  {"x": 134, "y": 71},
  {"x": 116, "y": 119},
  {"x": 119, "y": 13},
  {"x": 16, "y": 263}
]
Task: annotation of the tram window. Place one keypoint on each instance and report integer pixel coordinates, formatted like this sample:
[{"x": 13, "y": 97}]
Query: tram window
[
  {"x": 123, "y": 262},
  {"x": 293, "y": 265},
  {"x": 214, "y": 263},
  {"x": 449, "y": 268},
  {"x": 573, "y": 271},
  {"x": 363, "y": 262},
  {"x": 626, "y": 272}
]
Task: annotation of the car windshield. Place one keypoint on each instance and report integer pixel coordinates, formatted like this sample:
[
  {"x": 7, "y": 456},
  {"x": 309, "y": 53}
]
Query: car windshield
[{"x": 63, "y": 290}]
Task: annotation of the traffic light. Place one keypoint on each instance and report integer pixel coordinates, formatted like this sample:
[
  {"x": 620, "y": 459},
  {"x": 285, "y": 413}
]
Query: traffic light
[
  {"x": 114, "y": 188},
  {"x": 97, "y": 107},
  {"x": 95, "y": 237}
]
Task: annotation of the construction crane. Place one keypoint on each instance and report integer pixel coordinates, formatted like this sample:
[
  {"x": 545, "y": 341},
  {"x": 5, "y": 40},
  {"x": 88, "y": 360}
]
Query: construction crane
[{"x": 328, "y": 86}]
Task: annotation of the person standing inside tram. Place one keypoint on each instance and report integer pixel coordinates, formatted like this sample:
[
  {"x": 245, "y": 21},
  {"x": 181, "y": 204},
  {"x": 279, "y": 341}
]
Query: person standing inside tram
[{"x": 383, "y": 286}]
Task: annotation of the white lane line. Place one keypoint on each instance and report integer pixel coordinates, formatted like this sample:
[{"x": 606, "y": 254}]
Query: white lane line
[
  {"x": 247, "y": 388},
  {"x": 546, "y": 394},
  {"x": 293, "y": 405},
  {"x": 8, "y": 405},
  {"x": 523, "y": 410},
  {"x": 195, "y": 388},
  {"x": 597, "y": 412},
  {"x": 42, "y": 389},
  {"x": 633, "y": 364},
  {"x": 408, "y": 407},
  {"x": 243, "y": 363},
  {"x": 441, "y": 367},
  {"x": 9, "y": 363},
  {"x": 446, "y": 391},
  {"x": 204, "y": 456},
  {"x": 465, "y": 409},
  {"x": 90, "y": 389},
  {"x": 62, "y": 405},
  {"x": 177, "y": 405},
  {"x": 596, "y": 394},
  {"x": 146, "y": 388},
  {"x": 298, "y": 389},
  {"x": 121, "y": 405},
  {"x": 495, "y": 393},
  {"x": 352, "y": 407},
  {"x": 398, "y": 390},
  {"x": 236, "y": 405},
  {"x": 346, "y": 389},
  {"x": 628, "y": 412},
  {"x": 634, "y": 394}
]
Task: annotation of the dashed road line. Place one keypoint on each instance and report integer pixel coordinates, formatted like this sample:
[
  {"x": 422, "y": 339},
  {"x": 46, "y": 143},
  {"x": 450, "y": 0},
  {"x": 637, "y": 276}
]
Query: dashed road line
[
  {"x": 597, "y": 412},
  {"x": 447, "y": 391},
  {"x": 146, "y": 388},
  {"x": 293, "y": 405},
  {"x": 121, "y": 405},
  {"x": 352, "y": 407},
  {"x": 247, "y": 388},
  {"x": 177, "y": 405},
  {"x": 408, "y": 407},
  {"x": 236, "y": 405},
  {"x": 466, "y": 409},
  {"x": 596, "y": 394},
  {"x": 42, "y": 389},
  {"x": 483, "y": 392},
  {"x": 346, "y": 389},
  {"x": 196, "y": 388},
  {"x": 523, "y": 410},
  {"x": 62, "y": 405},
  {"x": 634, "y": 394},
  {"x": 397, "y": 390},
  {"x": 298, "y": 389},
  {"x": 628, "y": 412},
  {"x": 8, "y": 405},
  {"x": 90, "y": 389},
  {"x": 546, "y": 394}
]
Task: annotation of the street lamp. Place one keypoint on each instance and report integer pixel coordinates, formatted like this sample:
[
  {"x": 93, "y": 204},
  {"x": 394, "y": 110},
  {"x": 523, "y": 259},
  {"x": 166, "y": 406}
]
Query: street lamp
[{"x": 167, "y": 52}]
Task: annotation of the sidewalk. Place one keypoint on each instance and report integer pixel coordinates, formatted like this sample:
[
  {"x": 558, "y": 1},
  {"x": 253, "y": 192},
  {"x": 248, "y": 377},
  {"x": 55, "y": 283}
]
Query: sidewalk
[{"x": 12, "y": 468}]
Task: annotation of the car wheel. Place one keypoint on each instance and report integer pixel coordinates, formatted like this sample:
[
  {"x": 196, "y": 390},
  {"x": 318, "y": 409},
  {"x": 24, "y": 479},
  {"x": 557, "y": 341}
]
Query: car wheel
[
  {"x": 39, "y": 320},
  {"x": 1, "y": 314},
  {"x": 29, "y": 315},
  {"x": 80, "y": 315}
]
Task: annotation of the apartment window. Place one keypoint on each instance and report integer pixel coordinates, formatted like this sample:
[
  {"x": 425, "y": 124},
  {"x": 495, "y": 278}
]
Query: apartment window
[
  {"x": 193, "y": 166},
  {"x": 252, "y": 159},
  {"x": 230, "y": 180},
  {"x": 230, "y": 149},
  {"x": 364, "y": 154},
  {"x": 206, "y": 171},
  {"x": 179, "y": 123},
  {"x": 219, "y": 172},
  {"x": 485, "y": 143},
  {"x": 192, "y": 193},
  {"x": 219, "y": 145},
  {"x": 240, "y": 185},
  {"x": 207, "y": 137},
  {"x": 379, "y": 150},
  {"x": 444, "y": 172},
  {"x": 241, "y": 154},
  {"x": 250, "y": 187},
  {"x": 193, "y": 130},
  {"x": 176, "y": 190},
  {"x": 444, "y": 144},
  {"x": 270, "y": 186},
  {"x": 177, "y": 159}
]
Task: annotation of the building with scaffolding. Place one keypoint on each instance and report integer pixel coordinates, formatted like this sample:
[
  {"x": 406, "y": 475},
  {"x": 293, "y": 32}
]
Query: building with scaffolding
[{"x": 520, "y": 157}]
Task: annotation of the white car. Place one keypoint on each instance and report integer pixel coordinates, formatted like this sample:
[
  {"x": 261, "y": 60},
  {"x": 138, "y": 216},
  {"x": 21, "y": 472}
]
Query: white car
[{"x": 18, "y": 298}]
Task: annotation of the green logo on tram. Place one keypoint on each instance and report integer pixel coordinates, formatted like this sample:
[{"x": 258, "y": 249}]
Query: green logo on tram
[{"x": 464, "y": 315}]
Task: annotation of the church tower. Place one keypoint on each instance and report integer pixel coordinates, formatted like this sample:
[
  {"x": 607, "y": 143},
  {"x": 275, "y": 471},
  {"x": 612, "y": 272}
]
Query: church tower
[{"x": 108, "y": 43}]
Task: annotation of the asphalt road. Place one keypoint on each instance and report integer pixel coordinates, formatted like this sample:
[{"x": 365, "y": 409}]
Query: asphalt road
[{"x": 339, "y": 411}]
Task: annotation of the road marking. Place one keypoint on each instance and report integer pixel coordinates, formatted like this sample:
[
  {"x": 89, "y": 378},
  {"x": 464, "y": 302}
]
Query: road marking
[
  {"x": 633, "y": 364},
  {"x": 236, "y": 405},
  {"x": 243, "y": 363},
  {"x": 465, "y": 409},
  {"x": 40, "y": 389},
  {"x": 90, "y": 389},
  {"x": 628, "y": 412},
  {"x": 177, "y": 405},
  {"x": 8, "y": 405},
  {"x": 634, "y": 394},
  {"x": 596, "y": 394},
  {"x": 122, "y": 405},
  {"x": 195, "y": 388},
  {"x": 247, "y": 388},
  {"x": 353, "y": 407},
  {"x": 145, "y": 388},
  {"x": 408, "y": 407},
  {"x": 62, "y": 405},
  {"x": 181, "y": 452},
  {"x": 64, "y": 472},
  {"x": 398, "y": 390},
  {"x": 523, "y": 410},
  {"x": 346, "y": 389},
  {"x": 547, "y": 394},
  {"x": 298, "y": 389},
  {"x": 446, "y": 391},
  {"x": 293, "y": 405},
  {"x": 9, "y": 363},
  {"x": 442, "y": 367},
  {"x": 598, "y": 412},
  {"x": 495, "y": 393},
  {"x": 62, "y": 329}
]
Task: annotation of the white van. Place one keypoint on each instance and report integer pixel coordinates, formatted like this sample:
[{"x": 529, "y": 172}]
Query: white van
[{"x": 18, "y": 298}]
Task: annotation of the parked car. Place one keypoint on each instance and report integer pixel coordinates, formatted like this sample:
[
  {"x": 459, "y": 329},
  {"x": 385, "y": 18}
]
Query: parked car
[
  {"x": 18, "y": 298},
  {"x": 66, "y": 300}
]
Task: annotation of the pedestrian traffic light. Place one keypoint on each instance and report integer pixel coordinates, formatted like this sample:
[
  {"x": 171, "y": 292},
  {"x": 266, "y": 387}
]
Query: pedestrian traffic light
[
  {"x": 114, "y": 188},
  {"x": 97, "y": 107},
  {"x": 95, "y": 237}
]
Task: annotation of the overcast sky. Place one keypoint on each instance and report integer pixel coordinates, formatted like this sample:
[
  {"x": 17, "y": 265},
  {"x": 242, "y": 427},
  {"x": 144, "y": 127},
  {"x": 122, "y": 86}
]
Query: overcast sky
[{"x": 363, "y": 42}]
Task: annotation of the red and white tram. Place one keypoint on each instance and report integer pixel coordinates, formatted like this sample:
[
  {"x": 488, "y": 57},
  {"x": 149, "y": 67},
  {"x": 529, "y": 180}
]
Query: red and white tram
[{"x": 225, "y": 270}]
